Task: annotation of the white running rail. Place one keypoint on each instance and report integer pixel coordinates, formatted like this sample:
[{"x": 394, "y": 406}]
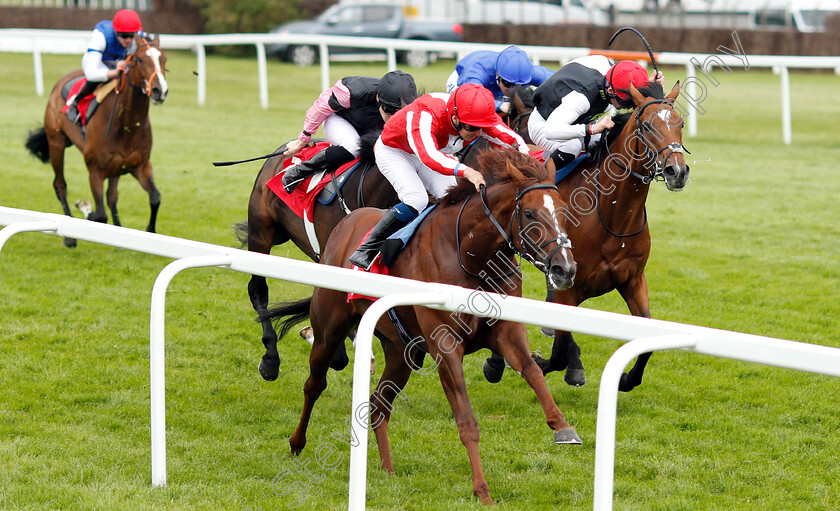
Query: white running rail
[{"x": 646, "y": 334}]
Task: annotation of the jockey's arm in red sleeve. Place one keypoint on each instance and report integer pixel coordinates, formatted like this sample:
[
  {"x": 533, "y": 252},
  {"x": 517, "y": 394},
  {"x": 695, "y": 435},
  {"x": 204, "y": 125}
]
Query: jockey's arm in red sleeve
[
  {"x": 501, "y": 135},
  {"x": 423, "y": 127}
]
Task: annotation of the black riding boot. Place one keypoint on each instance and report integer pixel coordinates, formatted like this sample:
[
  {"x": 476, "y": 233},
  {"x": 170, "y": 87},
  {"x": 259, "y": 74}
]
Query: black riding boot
[
  {"x": 388, "y": 225},
  {"x": 73, "y": 110},
  {"x": 561, "y": 159},
  {"x": 329, "y": 159}
]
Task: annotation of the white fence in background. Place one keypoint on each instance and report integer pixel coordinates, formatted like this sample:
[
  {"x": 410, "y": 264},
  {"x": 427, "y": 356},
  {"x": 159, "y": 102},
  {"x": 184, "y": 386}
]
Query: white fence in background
[
  {"x": 137, "y": 5},
  {"x": 645, "y": 334},
  {"x": 39, "y": 42}
]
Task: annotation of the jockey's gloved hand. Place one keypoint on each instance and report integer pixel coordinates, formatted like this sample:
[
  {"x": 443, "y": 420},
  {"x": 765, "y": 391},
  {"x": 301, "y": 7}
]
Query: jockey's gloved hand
[
  {"x": 294, "y": 146},
  {"x": 505, "y": 107}
]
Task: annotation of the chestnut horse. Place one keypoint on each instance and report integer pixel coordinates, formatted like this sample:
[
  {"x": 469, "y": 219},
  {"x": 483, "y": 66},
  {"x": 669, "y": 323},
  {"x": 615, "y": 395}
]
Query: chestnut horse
[
  {"x": 271, "y": 222},
  {"x": 608, "y": 223},
  {"x": 115, "y": 141},
  {"x": 458, "y": 240}
]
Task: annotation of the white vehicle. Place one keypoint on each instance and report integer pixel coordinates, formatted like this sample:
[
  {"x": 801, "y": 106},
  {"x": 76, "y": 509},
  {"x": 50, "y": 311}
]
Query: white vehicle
[
  {"x": 501, "y": 11},
  {"x": 801, "y": 15}
]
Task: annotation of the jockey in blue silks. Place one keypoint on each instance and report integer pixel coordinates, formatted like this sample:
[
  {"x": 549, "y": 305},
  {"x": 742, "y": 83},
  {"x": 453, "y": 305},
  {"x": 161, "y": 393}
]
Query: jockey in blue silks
[
  {"x": 111, "y": 42},
  {"x": 498, "y": 72}
]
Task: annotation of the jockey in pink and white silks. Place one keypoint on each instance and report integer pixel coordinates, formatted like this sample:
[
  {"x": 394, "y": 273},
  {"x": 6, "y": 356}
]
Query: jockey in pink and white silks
[
  {"x": 355, "y": 105},
  {"x": 412, "y": 154}
]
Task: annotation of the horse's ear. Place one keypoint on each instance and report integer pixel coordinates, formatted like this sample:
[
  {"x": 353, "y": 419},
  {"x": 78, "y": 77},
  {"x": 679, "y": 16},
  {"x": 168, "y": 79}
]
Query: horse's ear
[
  {"x": 638, "y": 97},
  {"x": 515, "y": 173},
  {"x": 672, "y": 96}
]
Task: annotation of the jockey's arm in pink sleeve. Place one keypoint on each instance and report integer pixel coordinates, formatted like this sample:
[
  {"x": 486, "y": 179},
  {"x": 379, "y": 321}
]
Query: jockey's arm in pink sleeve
[{"x": 320, "y": 110}]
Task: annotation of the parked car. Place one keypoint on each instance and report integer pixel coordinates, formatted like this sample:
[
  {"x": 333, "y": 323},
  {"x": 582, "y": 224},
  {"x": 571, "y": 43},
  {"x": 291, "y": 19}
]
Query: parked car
[{"x": 370, "y": 20}]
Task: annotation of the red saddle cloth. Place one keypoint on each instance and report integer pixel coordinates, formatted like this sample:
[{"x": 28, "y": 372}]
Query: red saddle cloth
[
  {"x": 301, "y": 200},
  {"x": 83, "y": 102},
  {"x": 376, "y": 267}
]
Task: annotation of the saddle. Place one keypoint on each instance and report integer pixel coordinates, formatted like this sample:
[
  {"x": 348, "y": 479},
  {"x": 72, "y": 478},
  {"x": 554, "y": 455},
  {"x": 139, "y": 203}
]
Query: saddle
[{"x": 88, "y": 105}]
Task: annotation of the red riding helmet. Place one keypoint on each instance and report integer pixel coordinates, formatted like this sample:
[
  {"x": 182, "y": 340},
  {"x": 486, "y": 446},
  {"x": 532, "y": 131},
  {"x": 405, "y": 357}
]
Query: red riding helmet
[
  {"x": 126, "y": 20},
  {"x": 621, "y": 75},
  {"x": 473, "y": 105}
]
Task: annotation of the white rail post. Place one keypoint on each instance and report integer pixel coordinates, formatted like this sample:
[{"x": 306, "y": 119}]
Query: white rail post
[
  {"x": 361, "y": 384},
  {"x": 608, "y": 404},
  {"x": 157, "y": 356},
  {"x": 392, "y": 58},
  {"x": 39, "y": 69},
  {"x": 201, "y": 64},
  {"x": 786, "y": 129},
  {"x": 691, "y": 90},
  {"x": 9, "y": 231},
  {"x": 325, "y": 66},
  {"x": 263, "y": 75}
]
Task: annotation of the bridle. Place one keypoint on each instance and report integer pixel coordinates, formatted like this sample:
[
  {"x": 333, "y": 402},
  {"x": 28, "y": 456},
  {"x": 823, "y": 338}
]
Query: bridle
[
  {"x": 131, "y": 62},
  {"x": 656, "y": 173},
  {"x": 562, "y": 241}
]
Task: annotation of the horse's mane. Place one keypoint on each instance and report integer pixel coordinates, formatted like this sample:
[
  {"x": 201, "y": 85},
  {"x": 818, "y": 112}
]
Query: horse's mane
[
  {"x": 492, "y": 163},
  {"x": 652, "y": 90}
]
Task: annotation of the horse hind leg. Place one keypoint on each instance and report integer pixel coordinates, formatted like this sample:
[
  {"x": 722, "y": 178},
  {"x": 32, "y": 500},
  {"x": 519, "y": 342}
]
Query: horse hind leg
[
  {"x": 112, "y": 199},
  {"x": 394, "y": 377},
  {"x": 269, "y": 366},
  {"x": 57, "y": 144}
]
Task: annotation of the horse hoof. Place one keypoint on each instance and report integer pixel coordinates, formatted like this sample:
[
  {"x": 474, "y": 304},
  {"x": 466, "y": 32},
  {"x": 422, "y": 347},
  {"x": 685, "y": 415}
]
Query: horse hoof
[
  {"x": 624, "y": 384},
  {"x": 575, "y": 377},
  {"x": 543, "y": 363},
  {"x": 567, "y": 436},
  {"x": 268, "y": 372},
  {"x": 492, "y": 374},
  {"x": 70, "y": 242},
  {"x": 307, "y": 335},
  {"x": 548, "y": 332}
]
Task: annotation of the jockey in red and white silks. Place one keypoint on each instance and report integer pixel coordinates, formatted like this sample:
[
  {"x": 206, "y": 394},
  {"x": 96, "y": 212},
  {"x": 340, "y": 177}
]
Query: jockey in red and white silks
[{"x": 412, "y": 153}]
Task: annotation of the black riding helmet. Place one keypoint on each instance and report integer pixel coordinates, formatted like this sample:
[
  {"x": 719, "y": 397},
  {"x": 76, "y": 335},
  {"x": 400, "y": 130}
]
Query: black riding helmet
[{"x": 396, "y": 90}]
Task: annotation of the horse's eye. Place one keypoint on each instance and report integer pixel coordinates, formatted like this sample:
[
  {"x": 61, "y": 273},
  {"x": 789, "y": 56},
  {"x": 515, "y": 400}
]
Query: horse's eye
[{"x": 528, "y": 214}]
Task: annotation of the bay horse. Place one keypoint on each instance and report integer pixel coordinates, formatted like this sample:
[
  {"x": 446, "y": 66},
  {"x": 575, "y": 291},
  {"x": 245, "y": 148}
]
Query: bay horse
[
  {"x": 271, "y": 222},
  {"x": 608, "y": 223},
  {"x": 457, "y": 241},
  {"x": 521, "y": 101},
  {"x": 116, "y": 141}
]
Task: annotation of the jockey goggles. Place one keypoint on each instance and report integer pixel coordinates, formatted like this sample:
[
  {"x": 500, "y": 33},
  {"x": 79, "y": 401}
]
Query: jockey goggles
[
  {"x": 501, "y": 81},
  {"x": 389, "y": 109},
  {"x": 471, "y": 129},
  {"x": 125, "y": 35}
]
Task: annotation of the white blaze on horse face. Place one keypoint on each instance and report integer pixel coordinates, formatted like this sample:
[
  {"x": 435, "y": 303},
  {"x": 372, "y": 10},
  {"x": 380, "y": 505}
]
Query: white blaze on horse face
[
  {"x": 665, "y": 115},
  {"x": 548, "y": 202},
  {"x": 154, "y": 54}
]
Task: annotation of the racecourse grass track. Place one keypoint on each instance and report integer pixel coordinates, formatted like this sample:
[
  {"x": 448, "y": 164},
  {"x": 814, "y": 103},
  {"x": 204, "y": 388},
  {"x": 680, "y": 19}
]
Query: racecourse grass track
[{"x": 751, "y": 245}]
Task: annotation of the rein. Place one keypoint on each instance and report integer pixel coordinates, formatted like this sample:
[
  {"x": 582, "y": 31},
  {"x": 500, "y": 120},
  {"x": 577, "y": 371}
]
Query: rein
[
  {"x": 562, "y": 242},
  {"x": 655, "y": 174},
  {"x": 130, "y": 62}
]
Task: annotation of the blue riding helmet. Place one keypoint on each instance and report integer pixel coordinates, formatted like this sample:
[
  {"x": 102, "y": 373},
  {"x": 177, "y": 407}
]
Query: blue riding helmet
[{"x": 514, "y": 66}]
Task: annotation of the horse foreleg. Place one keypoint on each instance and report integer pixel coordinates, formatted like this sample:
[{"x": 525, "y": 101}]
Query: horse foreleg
[
  {"x": 144, "y": 176},
  {"x": 635, "y": 293},
  {"x": 57, "y": 145},
  {"x": 394, "y": 377},
  {"x": 97, "y": 182},
  {"x": 451, "y": 371},
  {"x": 329, "y": 329},
  {"x": 515, "y": 349},
  {"x": 112, "y": 199}
]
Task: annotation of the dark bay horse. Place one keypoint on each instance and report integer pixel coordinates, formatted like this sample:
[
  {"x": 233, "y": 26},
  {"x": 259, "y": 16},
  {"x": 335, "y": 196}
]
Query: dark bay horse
[
  {"x": 608, "y": 223},
  {"x": 116, "y": 141},
  {"x": 457, "y": 243},
  {"x": 271, "y": 222},
  {"x": 522, "y": 104}
]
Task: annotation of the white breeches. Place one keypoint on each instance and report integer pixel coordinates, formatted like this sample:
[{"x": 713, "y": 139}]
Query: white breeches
[
  {"x": 340, "y": 132},
  {"x": 536, "y": 129},
  {"x": 409, "y": 177}
]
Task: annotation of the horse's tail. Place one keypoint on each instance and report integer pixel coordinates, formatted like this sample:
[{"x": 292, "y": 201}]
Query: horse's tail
[
  {"x": 240, "y": 232},
  {"x": 38, "y": 145},
  {"x": 294, "y": 312}
]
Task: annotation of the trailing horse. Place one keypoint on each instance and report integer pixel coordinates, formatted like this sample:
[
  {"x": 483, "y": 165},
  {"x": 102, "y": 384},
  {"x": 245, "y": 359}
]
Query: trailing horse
[
  {"x": 115, "y": 142},
  {"x": 462, "y": 242},
  {"x": 608, "y": 223}
]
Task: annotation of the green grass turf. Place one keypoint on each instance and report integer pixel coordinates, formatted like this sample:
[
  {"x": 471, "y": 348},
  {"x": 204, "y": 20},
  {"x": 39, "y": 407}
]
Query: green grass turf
[{"x": 751, "y": 245}]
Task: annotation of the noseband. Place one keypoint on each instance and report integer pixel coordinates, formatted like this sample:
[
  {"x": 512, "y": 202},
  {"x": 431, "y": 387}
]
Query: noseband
[{"x": 562, "y": 241}]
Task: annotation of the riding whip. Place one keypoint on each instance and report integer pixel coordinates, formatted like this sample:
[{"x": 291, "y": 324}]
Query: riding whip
[
  {"x": 263, "y": 157},
  {"x": 647, "y": 45}
]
